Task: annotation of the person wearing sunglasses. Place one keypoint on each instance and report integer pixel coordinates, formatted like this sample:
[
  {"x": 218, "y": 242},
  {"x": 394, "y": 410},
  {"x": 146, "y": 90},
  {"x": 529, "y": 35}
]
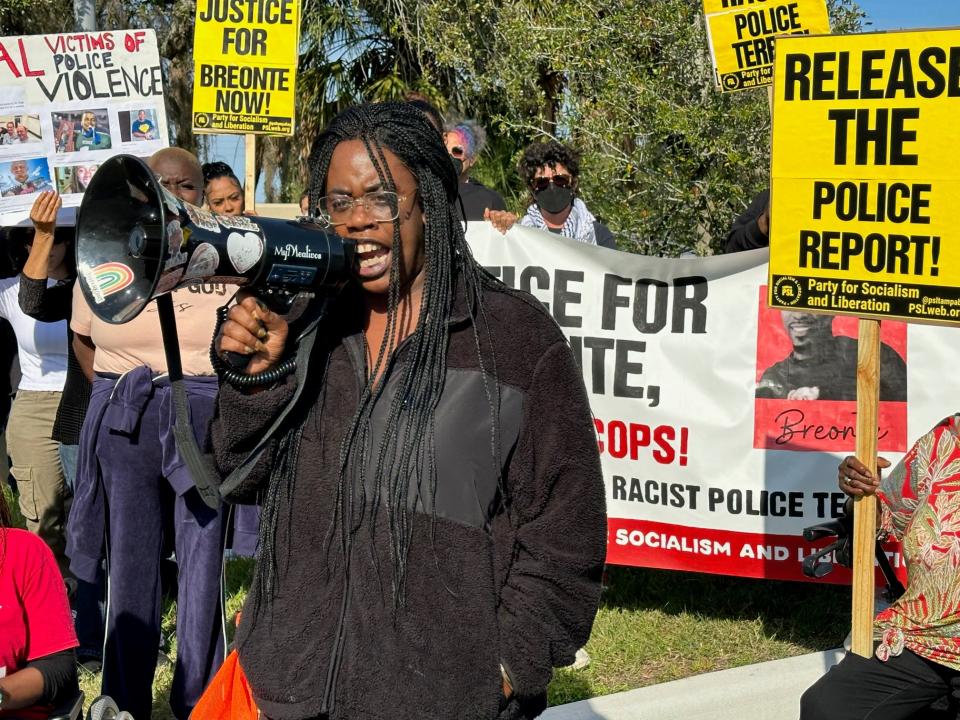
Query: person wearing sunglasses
[
  {"x": 465, "y": 141},
  {"x": 551, "y": 171}
]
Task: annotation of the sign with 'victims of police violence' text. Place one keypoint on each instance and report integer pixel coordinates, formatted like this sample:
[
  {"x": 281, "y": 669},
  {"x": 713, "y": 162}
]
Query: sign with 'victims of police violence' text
[
  {"x": 245, "y": 64},
  {"x": 865, "y": 179},
  {"x": 69, "y": 102},
  {"x": 741, "y": 35}
]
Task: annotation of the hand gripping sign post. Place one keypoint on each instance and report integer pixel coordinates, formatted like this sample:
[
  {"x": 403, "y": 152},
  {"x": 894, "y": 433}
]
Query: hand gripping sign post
[
  {"x": 864, "y": 215},
  {"x": 245, "y": 65},
  {"x": 741, "y": 36}
]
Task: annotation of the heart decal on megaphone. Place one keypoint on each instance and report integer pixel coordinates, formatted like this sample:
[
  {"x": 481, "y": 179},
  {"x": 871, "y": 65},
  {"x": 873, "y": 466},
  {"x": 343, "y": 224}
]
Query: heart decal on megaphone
[
  {"x": 244, "y": 250},
  {"x": 136, "y": 241}
]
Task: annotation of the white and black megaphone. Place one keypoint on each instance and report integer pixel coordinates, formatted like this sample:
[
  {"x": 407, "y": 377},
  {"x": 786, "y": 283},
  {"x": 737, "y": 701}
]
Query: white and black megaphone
[{"x": 136, "y": 241}]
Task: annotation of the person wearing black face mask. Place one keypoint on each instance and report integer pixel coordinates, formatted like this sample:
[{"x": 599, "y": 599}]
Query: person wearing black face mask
[
  {"x": 551, "y": 171},
  {"x": 465, "y": 141}
]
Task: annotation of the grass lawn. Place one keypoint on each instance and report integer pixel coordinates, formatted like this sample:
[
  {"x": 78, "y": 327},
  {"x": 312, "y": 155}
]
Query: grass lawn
[{"x": 653, "y": 626}]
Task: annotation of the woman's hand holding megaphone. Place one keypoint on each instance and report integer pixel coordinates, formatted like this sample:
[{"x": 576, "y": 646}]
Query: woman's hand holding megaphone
[{"x": 254, "y": 331}]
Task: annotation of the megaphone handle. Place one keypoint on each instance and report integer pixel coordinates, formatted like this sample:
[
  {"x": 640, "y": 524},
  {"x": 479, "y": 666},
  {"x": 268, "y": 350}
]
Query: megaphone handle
[
  {"x": 237, "y": 361},
  {"x": 280, "y": 303},
  {"x": 231, "y": 366}
]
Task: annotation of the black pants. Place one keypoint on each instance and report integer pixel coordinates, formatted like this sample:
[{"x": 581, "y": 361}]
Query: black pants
[{"x": 859, "y": 688}]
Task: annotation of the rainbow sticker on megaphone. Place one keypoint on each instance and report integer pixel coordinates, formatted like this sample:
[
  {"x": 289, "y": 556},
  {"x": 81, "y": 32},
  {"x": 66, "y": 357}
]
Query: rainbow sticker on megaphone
[{"x": 111, "y": 277}]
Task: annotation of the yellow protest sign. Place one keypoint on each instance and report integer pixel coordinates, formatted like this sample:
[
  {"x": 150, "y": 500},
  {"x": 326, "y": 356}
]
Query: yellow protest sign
[
  {"x": 741, "y": 35},
  {"x": 245, "y": 64},
  {"x": 865, "y": 219}
]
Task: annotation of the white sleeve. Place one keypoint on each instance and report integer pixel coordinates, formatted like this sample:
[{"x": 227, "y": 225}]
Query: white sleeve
[{"x": 9, "y": 292}]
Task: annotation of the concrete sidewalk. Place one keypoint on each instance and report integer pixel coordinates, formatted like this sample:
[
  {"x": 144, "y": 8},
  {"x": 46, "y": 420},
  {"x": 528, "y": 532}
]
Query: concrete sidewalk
[{"x": 765, "y": 691}]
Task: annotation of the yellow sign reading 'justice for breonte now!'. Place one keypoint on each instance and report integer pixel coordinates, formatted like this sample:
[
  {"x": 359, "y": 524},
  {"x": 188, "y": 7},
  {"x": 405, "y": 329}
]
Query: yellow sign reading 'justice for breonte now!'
[
  {"x": 741, "y": 35},
  {"x": 245, "y": 63},
  {"x": 865, "y": 213}
]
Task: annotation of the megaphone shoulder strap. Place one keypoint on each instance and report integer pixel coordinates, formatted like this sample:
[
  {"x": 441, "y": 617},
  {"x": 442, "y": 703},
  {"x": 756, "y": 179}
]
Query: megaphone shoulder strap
[
  {"x": 306, "y": 340},
  {"x": 199, "y": 464}
]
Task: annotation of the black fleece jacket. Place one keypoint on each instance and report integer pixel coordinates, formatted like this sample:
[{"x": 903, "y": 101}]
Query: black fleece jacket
[{"x": 491, "y": 579}]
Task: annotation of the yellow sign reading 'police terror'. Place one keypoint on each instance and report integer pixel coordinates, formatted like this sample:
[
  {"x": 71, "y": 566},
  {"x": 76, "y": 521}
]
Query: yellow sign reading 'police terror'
[
  {"x": 865, "y": 214},
  {"x": 741, "y": 36},
  {"x": 245, "y": 64}
]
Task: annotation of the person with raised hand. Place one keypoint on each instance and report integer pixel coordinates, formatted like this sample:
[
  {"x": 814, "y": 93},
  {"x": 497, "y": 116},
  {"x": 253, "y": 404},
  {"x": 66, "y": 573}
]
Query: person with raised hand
[
  {"x": 42, "y": 348},
  {"x": 51, "y": 303}
]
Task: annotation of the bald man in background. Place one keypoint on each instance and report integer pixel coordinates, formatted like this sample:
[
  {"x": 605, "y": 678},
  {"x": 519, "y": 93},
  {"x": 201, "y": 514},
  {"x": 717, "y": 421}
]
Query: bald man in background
[{"x": 133, "y": 483}]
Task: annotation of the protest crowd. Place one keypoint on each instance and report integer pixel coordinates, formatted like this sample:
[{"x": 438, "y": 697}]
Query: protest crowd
[{"x": 411, "y": 458}]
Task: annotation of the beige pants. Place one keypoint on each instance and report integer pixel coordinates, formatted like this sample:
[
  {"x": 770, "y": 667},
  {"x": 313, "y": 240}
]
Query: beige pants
[{"x": 44, "y": 499}]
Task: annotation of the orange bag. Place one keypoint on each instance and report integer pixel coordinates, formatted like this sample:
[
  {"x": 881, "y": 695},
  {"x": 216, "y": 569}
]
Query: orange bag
[{"x": 228, "y": 697}]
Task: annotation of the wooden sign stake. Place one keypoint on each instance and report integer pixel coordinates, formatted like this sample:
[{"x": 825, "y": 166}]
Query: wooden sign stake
[
  {"x": 865, "y": 508},
  {"x": 250, "y": 173}
]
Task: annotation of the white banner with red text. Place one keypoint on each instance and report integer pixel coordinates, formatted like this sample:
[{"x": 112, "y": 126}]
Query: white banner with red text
[{"x": 720, "y": 422}]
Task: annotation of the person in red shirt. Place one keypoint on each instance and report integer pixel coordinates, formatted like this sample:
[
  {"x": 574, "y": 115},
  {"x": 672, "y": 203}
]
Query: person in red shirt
[{"x": 37, "y": 666}]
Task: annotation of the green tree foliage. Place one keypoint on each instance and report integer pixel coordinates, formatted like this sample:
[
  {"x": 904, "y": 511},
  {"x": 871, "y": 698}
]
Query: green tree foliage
[
  {"x": 350, "y": 52},
  {"x": 668, "y": 161},
  {"x": 29, "y": 17}
]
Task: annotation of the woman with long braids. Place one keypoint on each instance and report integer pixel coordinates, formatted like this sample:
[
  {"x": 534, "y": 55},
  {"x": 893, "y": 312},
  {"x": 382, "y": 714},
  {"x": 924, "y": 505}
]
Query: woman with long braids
[{"x": 433, "y": 527}]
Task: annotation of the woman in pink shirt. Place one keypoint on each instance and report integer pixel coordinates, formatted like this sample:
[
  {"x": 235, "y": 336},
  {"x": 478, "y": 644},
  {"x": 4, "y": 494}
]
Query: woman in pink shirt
[{"x": 37, "y": 666}]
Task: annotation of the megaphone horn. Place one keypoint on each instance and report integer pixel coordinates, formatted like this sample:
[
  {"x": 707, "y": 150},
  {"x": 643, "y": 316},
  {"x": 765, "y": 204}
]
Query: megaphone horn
[{"x": 136, "y": 241}]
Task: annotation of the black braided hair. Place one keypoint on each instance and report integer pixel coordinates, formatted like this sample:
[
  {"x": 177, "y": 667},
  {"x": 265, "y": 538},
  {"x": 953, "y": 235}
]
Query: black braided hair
[
  {"x": 404, "y": 457},
  {"x": 217, "y": 169}
]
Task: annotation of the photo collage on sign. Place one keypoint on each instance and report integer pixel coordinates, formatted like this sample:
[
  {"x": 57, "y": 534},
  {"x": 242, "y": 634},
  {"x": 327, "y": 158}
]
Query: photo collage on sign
[
  {"x": 21, "y": 171},
  {"x": 69, "y": 103},
  {"x": 61, "y": 148}
]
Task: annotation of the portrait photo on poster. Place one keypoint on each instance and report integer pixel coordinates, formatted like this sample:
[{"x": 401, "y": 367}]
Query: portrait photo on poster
[
  {"x": 24, "y": 177},
  {"x": 138, "y": 125},
  {"x": 17, "y": 130},
  {"x": 74, "y": 178},
  {"x": 806, "y": 380},
  {"x": 79, "y": 130}
]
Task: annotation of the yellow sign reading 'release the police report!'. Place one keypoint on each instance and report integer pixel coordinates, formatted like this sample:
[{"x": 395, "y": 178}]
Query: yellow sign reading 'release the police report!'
[
  {"x": 865, "y": 217},
  {"x": 245, "y": 64},
  {"x": 741, "y": 35}
]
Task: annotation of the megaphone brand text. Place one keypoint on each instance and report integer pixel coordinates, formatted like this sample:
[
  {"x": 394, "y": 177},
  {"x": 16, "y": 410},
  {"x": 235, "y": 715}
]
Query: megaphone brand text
[{"x": 290, "y": 250}]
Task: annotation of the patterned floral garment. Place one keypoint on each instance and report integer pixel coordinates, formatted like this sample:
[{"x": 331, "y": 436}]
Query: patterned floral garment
[{"x": 921, "y": 507}]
